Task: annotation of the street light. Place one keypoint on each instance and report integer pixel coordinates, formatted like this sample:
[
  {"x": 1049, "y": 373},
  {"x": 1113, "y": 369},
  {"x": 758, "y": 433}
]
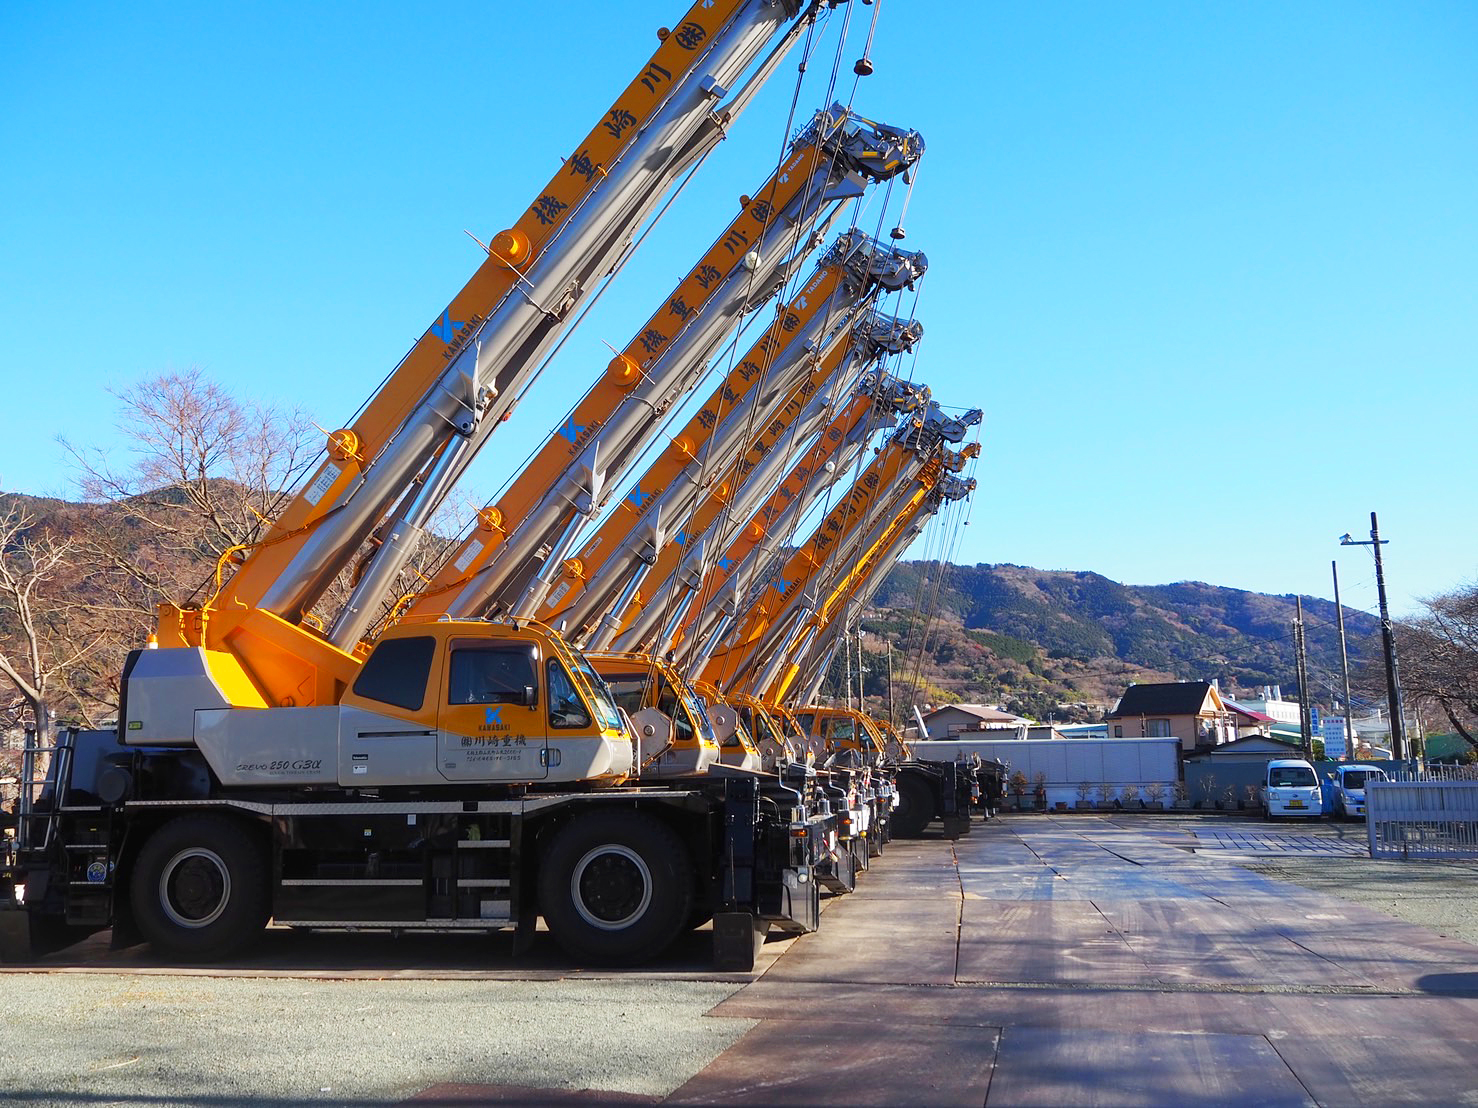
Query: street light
[{"x": 1388, "y": 641}]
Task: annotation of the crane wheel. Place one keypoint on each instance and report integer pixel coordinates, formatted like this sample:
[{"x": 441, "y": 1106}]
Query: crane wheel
[
  {"x": 615, "y": 887},
  {"x": 915, "y": 808},
  {"x": 199, "y": 888}
]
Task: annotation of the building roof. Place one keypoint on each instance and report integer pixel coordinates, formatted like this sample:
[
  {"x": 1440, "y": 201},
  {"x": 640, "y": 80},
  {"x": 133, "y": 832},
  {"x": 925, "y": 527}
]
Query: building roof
[
  {"x": 1248, "y": 713},
  {"x": 985, "y": 713},
  {"x": 1254, "y": 744},
  {"x": 1174, "y": 698}
]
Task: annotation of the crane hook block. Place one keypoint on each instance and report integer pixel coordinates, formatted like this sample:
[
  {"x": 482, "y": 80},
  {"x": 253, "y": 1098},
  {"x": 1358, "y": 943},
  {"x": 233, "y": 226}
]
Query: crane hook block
[
  {"x": 511, "y": 247},
  {"x": 343, "y": 445},
  {"x": 623, "y": 371}
]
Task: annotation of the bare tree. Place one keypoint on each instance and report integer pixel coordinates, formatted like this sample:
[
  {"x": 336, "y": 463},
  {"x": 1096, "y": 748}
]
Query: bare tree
[
  {"x": 35, "y": 651},
  {"x": 1439, "y": 659},
  {"x": 203, "y": 472}
]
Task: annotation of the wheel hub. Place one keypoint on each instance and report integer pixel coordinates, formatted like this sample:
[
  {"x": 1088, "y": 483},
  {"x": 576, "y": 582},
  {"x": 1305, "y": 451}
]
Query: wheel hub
[
  {"x": 611, "y": 887},
  {"x": 194, "y": 887}
]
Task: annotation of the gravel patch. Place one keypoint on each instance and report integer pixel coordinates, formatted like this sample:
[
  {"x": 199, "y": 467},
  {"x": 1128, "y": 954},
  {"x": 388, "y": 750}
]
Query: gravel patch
[
  {"x": 107, "y": 1039},
  {"x": 1441, "y": 896}
]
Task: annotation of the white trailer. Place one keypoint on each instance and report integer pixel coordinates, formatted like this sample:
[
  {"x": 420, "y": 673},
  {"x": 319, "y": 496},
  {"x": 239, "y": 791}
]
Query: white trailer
[{"x": 1067, "y": 763}]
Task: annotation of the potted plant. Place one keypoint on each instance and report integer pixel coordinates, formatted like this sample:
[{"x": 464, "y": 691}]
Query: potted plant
[
  {"x": 1018, "y": 784},
  {"x": 1208, "y": 791},
  {"x": 1085, "y": 792},
  {"x": 1039, "y": 790},
  {"x": 1249, "y": 798},
  {"x": 1154, "y": 795},
  {"x": 1129, "y": 796},
  {"x": 1105, "y": 795},
  {"x": 1228, "y": 798}
]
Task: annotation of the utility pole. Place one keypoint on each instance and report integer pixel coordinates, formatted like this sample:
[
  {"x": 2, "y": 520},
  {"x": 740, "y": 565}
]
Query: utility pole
[
  {"x": 1344, "y": 661},
  {"x": 892, "y": 715},
  {"x": 1305, "y": 719},
  {"x": 847, "y": 667},
  {"x": 1388, "y": 642}
]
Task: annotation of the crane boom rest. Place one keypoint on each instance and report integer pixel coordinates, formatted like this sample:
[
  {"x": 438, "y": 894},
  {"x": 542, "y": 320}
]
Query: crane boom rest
[{"x": 460, "y": 774}]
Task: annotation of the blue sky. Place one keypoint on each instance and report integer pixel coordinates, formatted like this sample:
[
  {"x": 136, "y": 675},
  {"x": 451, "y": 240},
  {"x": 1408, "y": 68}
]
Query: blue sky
[{"x": 1208, "y": 269}]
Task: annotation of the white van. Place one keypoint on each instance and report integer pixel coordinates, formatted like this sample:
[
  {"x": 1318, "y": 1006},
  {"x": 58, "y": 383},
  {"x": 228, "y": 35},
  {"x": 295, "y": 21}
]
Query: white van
[
  {"x": 1291, "y": 789},
  {"x": 1349, "y": 789}
]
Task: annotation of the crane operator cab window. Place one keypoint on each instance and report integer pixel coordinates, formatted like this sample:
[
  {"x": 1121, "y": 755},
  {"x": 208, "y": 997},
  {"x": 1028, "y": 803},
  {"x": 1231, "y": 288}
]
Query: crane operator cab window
[
  {"x": 492, "y": 726},
  {"x": 566, "y": 709},
  {"x": 497, "y": 676},
  {"x": 674, "y": 708},
  {"x": 840, "y": 732}
]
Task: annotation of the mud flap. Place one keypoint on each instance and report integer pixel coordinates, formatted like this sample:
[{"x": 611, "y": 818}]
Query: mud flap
[
  {"x": 840, "y": 874},
  {"x": 15, "y": 935},
  {"x": 955, "y": 826},
  {"x": 737, "y": 938}
]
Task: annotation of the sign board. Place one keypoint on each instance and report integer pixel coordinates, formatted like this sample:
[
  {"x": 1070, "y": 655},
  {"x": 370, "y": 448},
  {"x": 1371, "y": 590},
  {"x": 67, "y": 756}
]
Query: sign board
[{"x": 1333, "y": 733}]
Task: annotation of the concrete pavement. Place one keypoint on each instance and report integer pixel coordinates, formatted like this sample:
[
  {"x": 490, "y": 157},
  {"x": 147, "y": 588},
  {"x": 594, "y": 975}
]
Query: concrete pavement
[
  {"x": 1047, "y": 959},
  {"x": 1101, "y": 961}
]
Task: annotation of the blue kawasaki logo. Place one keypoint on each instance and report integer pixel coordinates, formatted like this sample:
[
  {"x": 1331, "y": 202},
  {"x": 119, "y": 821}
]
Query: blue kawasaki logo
[{"x": 446, "y": 327}]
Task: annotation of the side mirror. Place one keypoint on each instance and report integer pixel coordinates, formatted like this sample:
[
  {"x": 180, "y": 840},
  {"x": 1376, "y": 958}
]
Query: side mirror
[{"x": 530, "y": 696}]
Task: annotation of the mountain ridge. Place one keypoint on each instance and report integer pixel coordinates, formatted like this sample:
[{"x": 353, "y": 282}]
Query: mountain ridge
[{"x": 1092, "y": 635}]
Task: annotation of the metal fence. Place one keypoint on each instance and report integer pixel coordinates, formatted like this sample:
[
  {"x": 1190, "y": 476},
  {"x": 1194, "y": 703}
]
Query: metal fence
[{"x": 1422, "y": 819}]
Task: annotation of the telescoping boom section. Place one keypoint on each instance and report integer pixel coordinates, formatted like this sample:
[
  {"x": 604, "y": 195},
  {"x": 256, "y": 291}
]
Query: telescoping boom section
[
  {"x": 398, "y": 459},
  {"x": 810, "y": 353},
  {"x": 767, "y": 627},
  {"x": 703, "y": 573},
  {"x": 571, "y": 479}
]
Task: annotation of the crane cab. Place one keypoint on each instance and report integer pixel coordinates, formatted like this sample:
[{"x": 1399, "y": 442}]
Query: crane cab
[
  {"x": 842, "y": 730},
  {"x": 675, "y": 735},
  {"x": 737, "y": 747},
  {"x": 451, "y": 702}
]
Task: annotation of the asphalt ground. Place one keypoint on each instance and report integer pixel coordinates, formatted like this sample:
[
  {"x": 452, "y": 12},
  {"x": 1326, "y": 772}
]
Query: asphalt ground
[{"x": 1059, "y": 959}]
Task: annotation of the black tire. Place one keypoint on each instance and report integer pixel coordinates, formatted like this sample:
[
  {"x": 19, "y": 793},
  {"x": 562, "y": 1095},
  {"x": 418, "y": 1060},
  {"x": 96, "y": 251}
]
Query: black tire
[
  {"x": 915, "y": 808},
  {"x": 615, "y": 888},
  {"x": 199, "y": 888}
]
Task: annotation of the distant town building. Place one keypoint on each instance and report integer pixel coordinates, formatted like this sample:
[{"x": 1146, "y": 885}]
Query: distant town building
[
  {"x": 1272, "y": 704},
  {"x": 1191, "y": 711},
  {"x": 1248, "y": 721},
  {"x": 953, "y": 719}
]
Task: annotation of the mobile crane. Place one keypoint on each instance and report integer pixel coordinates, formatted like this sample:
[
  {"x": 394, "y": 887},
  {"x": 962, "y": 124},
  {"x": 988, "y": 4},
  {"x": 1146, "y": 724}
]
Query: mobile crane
[
  {"x": 264, "y": 769},
  {"x": 926, "y": 789},
  {"x": 932, "y": 787}
]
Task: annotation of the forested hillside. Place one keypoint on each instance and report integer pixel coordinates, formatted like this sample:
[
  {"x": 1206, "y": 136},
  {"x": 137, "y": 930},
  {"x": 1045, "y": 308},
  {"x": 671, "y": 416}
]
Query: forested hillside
[
  {"x": 1051, "y": 645},
  {"x": 1066, "y": 643}
]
